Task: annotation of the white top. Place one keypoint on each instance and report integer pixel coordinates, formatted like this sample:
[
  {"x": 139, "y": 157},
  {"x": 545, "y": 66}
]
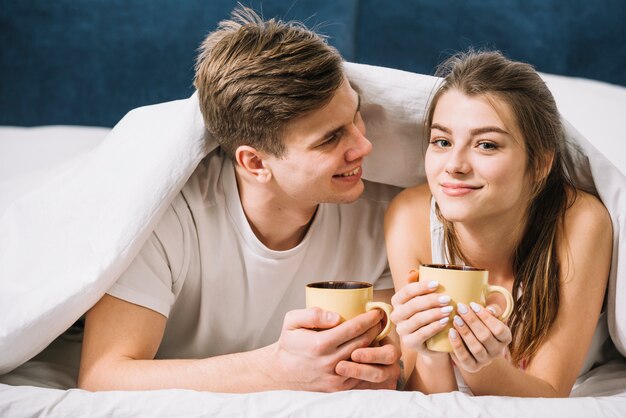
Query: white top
[
  {"x": 224, "y": 291},
  {"x": 601, "y": 348}
]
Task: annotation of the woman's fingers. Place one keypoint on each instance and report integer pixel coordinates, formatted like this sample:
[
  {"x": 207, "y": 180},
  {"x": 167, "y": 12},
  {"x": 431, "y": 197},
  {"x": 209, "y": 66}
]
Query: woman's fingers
[
  {"x": 422, "y": 319},
  {"x": 478, "y": 336},
  {"x": 417, "y": 338},
  {"x": 411, "y": 290},
  {"x": 498, "y": 329}
]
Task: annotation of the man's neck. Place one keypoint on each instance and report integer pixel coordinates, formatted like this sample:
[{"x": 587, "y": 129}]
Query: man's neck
[{"x": 278, "y": 225}]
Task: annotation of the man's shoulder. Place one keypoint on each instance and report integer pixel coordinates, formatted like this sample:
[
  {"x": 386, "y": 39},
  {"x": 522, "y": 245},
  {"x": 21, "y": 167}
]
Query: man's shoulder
[{"x": 203, "y": 188}]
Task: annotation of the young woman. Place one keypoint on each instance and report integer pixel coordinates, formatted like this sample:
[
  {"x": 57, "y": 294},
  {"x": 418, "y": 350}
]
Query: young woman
[{"x": 498, "y": 197}]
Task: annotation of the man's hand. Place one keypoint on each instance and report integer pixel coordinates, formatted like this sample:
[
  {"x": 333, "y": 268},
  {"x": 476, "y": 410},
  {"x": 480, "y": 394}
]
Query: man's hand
[
  {"x": 376, "y": 367},
  {"x": 313, "y": 343}
]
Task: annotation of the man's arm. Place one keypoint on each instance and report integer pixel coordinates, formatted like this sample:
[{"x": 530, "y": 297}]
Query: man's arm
[{"x": 121, "y": 340}]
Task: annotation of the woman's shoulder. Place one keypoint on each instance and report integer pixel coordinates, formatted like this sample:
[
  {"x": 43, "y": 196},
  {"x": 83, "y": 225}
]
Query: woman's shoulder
[
  {"x": 588, "y": 234},
  {"x": 587, "y": 212},
  {"x": 407, "y": 230},
  {"x": 412, "y": 199}
]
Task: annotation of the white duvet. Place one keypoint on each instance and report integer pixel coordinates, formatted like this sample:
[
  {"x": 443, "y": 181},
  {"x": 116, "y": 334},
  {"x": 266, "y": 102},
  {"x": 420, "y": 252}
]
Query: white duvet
[{"x": 68, "y": 228}]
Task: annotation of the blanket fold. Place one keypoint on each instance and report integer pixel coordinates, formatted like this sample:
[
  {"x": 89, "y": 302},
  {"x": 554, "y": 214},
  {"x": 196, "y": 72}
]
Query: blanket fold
[{"x": 65, "y": 243}]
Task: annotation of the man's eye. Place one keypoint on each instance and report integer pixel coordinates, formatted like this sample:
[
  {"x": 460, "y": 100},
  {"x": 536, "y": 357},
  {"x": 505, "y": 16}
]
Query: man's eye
[
  {"x": 331, "y": 139},
  {"x": 440, "y": 142}
]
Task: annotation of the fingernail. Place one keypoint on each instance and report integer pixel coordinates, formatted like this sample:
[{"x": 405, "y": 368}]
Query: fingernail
[
  {"x": 340, "y": 369},
  {"x": 446, "y": 309},
  {"x": 492, "y": 310},
  {"x": 332, "y": 317},
  {"x": 462, "y": 308},
  {"x": 444, "y": 299},
  {"x": 453, "y": 333},
  {"x": 458, "y": 321},
  {"x": 475, "y": 306},
  {"x": 444, "y": 320},
  {"x": 433, "y": 284}
]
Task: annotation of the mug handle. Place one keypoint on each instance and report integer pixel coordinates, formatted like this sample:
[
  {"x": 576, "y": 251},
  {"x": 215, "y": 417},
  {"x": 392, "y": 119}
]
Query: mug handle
[
  {"x": 385, "y": 307},
  {"x": 507, "y": 295}
]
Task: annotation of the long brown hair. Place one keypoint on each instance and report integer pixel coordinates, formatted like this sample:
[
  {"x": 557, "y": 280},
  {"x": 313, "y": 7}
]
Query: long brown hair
[
  {"x": 536, "y": 265},
  {"x": 254, "y": 76}
]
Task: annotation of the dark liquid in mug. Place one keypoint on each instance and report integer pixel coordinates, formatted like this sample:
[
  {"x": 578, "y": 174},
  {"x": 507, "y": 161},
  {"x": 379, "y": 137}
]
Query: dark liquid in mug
[
  {"x": 452, "y": 267},
  {"x": 340, "y": 285}
]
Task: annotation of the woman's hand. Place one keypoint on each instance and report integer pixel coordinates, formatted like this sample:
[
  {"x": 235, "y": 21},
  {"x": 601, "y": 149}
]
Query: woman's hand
[
  {"x": 419, "y": 313},
  {"x": 478, "y": 337}
]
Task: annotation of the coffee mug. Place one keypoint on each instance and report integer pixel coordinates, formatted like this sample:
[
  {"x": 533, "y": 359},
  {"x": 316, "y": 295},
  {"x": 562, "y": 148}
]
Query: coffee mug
[
  {"x": 464, "y": 284},
  {"x": 348, "y": 299}
]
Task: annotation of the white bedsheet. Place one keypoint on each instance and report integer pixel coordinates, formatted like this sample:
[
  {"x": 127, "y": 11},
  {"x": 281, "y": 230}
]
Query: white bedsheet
[{"x": 599, "y": 393}]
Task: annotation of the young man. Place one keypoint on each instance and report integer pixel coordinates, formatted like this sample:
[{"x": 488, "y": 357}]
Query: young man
[{"x": 279, "y": 204}]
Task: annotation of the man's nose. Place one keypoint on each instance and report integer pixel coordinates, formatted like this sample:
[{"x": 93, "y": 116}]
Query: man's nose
[{"x": 360, "y": 146}]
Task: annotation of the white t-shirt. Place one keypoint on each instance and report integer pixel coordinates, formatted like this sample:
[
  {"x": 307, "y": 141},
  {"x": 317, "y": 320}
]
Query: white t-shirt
[{"x": 222, "y": 290}]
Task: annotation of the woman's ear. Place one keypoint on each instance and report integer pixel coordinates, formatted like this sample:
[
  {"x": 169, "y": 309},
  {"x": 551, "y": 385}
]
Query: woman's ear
[{"x": 253, "y": 162}]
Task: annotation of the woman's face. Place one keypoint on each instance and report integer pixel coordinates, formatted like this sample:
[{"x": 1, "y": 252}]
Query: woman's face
[{"x": 476, "y": 159}]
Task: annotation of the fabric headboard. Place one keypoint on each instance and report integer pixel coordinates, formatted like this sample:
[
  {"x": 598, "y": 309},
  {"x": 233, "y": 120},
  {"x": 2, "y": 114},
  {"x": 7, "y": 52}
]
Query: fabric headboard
[{"x": 88, "y": 62}]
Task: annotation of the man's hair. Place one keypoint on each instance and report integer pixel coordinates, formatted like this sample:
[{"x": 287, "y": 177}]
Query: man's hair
[
  {"x": 536, "y": 264},
  {"x": 254, "y": 76}
]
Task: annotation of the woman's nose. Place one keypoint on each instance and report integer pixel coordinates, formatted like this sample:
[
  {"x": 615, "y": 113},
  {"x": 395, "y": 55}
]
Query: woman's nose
[{"x": 457, "y": 162}]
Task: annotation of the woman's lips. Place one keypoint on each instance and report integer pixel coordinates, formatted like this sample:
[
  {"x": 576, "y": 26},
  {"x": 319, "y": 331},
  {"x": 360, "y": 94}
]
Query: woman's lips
[{"x": 457, "y": 189}]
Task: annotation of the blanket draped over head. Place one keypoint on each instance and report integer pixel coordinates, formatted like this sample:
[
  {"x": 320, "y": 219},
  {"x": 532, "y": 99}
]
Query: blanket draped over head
[{"x": 63, "y": 244}]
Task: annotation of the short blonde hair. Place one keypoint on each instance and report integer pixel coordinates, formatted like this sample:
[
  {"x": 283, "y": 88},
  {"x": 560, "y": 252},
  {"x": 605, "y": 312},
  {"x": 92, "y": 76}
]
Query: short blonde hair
[{"x": 254, "y": 76}]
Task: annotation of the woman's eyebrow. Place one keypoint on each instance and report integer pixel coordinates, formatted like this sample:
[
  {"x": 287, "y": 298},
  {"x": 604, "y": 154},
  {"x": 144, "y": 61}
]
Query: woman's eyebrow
[
  {"x": 440, "y": 128},
  {"x": 488, "y": 129}
]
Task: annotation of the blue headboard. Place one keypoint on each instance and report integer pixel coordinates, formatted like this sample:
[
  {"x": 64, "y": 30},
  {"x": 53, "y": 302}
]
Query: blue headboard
[{"x": 88, "y": 62}]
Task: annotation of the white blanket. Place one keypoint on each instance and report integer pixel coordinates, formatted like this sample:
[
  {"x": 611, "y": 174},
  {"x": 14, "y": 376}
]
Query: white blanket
[{"x": 64, "y": 243}]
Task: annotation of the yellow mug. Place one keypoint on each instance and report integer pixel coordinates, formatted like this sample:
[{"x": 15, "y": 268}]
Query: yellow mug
[
  {"x": 464, "y": 284},
  {"x": 348, "y": 299}
]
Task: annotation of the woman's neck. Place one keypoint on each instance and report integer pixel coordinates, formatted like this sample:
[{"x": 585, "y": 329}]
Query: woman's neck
[{"x": 491, "y": 245}]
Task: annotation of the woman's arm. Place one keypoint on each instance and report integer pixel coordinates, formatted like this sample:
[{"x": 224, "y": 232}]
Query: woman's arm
[
  {"x": 585, "y": 256},
  {"x": 407, "y": 237}
]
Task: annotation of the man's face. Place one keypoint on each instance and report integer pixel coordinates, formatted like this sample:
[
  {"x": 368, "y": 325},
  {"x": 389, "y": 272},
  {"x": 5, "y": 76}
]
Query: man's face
[{"x": 324, "y": 153}]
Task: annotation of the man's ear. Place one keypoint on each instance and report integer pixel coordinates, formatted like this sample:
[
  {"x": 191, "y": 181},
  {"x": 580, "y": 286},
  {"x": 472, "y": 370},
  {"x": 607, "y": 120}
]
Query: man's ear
[{"x": 253, "y": 162}]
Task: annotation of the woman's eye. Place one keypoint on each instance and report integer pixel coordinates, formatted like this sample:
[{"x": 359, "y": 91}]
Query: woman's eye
[
  {"x": 487, "y": 146},
  {"x": 440, "y": 142}
]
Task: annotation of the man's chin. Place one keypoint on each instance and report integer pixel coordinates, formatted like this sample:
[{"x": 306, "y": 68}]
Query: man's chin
[{"x": 350, "y": 196}]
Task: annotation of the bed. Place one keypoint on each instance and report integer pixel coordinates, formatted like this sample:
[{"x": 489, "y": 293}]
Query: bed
[{"x": 57, "y": 154}]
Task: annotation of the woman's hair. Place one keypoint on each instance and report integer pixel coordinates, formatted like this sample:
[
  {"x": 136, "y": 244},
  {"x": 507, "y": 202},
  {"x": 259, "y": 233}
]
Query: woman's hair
[
  {"x": 254, "y": 76},
  {"x": 536, "y": 265}
]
